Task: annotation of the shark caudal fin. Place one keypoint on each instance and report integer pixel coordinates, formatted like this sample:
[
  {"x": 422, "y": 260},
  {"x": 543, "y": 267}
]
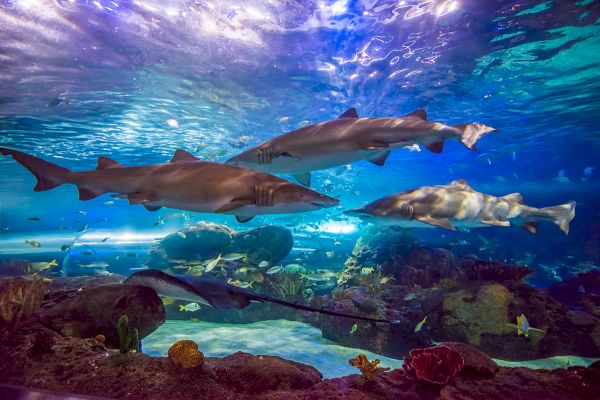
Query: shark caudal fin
[
  {"x": 561, "y": 215},
  {"x": 471, "y": 133},
  {"x": 48, "y": 175}
]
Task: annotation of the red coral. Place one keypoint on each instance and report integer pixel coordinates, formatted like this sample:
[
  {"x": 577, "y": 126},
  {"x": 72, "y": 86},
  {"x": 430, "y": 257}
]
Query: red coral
[
  {"x": 436, "y": 365},
  {"x": 478, "y": 270}
]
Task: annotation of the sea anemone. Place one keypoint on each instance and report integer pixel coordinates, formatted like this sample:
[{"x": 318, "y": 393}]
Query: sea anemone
[
  {"x": 434, "y": 365},
  {"x": 186, "y": 354}
]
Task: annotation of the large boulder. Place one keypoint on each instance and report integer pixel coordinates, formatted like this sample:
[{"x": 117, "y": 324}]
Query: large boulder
[
  {"x": 207, "y": 240},
  {"x": 19, "y": 298},
  {"x": 95, "y": 310}
]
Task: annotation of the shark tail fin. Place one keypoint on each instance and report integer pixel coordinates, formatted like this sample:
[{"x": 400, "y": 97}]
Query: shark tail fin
[
  {"x": 471, "y": 133},
  {"x": 561, "y": 215},
  {"x": 181, "y": 308},
  {"x": 48, "y": 175}
]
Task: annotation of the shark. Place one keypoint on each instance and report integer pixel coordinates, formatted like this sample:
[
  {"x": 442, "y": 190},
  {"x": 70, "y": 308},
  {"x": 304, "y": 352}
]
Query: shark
[
  {"x": 457, "y": 205},
  {"x": 184, "y": 183},
  {"x": 218, "y": 294},
  {"x": 350, "y": 138}
]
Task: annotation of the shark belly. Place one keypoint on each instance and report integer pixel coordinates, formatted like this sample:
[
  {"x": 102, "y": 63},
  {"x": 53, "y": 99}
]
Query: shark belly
[{"x": 316, "y": 162}]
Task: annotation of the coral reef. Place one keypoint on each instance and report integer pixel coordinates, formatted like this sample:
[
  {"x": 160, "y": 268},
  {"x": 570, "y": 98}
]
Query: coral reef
[
  {"x": 129, "y": 340},
  {"x": 368, "y": 369},
  {"x": 287, "y": 285},
  {"x": 478, "y": 270},
  {"x": 94, "y": 310},
  {"x": 186, "y": 354},
  {"x": 19, "y": 298},
  {"x": 579, "y": 290},
  {"x": 434, "y": 365},
  {"x": 100, "y": 338},
  {"x": 205, "y": 240}
]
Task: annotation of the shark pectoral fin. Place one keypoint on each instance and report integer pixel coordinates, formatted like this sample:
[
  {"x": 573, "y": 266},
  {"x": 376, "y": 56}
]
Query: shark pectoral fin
[
  {"x": 420, "y": 113},
  {"x": 235, "y": 203},
  {"x": 495, "y": 222},
  {"x": 88, "y": 193},
  {"x": 531, "y": 226},
  {"x": 152, "y": 208},
  {"x": 140, "y": 197},
  {"x": 243, "y": 218},
  {"x": 286, "y": 154},
  {"x": 440, "y": 222},
  {"x": 436, "y": 147},
  {"x": 380, "y": 158},
  {"x": 182, "y": 155},
  {"x": 375, "y": 145},
  {"x": 303, "y": 178},
  {"x": 349, "y": 113},
  {"x": 107, "y": 163}
]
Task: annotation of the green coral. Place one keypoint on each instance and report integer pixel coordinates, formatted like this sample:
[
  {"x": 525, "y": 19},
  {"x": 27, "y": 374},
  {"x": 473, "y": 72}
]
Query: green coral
[
  {"x": 129, "y": 340},
  {"x": 449, "y": 284}
]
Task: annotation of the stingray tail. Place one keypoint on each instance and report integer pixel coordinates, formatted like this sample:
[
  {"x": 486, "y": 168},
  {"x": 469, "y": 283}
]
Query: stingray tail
[
  {"x": 262, "y": 298},
  {"x": 48, "y": 175}
]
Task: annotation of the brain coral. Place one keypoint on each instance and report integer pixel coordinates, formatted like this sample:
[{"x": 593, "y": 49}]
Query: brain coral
[{"x": 186, "y": 354}]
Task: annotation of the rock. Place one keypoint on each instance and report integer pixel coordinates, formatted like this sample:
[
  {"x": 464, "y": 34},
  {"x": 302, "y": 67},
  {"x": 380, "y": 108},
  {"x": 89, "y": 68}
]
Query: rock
[
  {"x": 204, "y": 241},
  {"x": 476, "y": 362},
  {"x": 258, "y": 374},
  {"x": 426, "y": 267},
  {"x": 478, "y": 270},
  {"x": 95, "y": 310},
  {"x": 572, "y": 291},
  {"x": 469, "y": 314},
  {"x": 19, "y": 298}
]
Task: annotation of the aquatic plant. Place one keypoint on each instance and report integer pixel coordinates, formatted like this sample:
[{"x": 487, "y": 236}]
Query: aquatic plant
[
  {"x": 186, "y": 354},
  {"x": 434, "y": 365},
  {"x": 368, "y": 369},
  {"x": 128, "y": 339},
  {"x": 287, "y": 285}
]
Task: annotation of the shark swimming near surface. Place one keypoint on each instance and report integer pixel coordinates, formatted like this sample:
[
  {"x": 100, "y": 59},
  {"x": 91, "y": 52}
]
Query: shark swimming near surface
[
  {"x": 350, "y": 138},
  {"x": 185, "y": 183},
  {"x": 218, "y": 294},
  {"x": 457, "y": 205}
]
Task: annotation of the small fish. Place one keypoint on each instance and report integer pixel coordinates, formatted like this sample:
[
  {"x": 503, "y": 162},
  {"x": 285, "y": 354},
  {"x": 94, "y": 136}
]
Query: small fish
[
  {"x": 412, "y": 147},
  {"x": 419, "y": 326},
  {"x": 366, "y": 271},
  {"x": 353, "y": 329},
  {"x": 191, "y": 307},
  {"x": 303, "y": 123},
  {"x": 274, "y": 270},
  {"x": 410, "y": 296},
  {"x": 386, "y": 279},
  {"x": 81, "y": 212},
  {"x": 239, "y": 283},
  {"x": 105, "y": 239},
  {"x": 42, "y": 266},
  {"x": 263, "y": 264},
  {"x": 182, "y": 234},
  {"x": 330, "y": 254},
  {"x": 284, "y": 120},
  {"x": 109, "y": 203},
  {"x": 523, "y": 327},
  {"x": 213, "y": 263},
  {"x": 173, "y": 123},
  {"x": 159, "y": 223},
  {"x": 95, "y": 265},
  {"x": 33, "y": 243},
  {"x": 33, "y": 219},
  {"x": 66, "y": 247},
  {"x": 234, "y": 256}
]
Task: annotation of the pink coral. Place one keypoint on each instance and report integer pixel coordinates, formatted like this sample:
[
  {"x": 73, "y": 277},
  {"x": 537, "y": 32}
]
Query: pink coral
[{"x": 436, "y": 365}]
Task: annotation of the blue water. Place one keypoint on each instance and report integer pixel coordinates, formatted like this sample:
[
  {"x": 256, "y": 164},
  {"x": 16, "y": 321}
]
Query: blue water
[{"x": 137, "y": 80}]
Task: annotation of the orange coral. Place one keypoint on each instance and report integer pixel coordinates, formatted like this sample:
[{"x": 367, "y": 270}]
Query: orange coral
[
  {"x": 100, "y": 338},
  {"x": 368, "y": 369},
  {"x": 186, "y": 354}
]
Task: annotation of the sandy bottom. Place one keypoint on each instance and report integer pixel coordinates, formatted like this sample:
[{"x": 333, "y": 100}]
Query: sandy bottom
[{"x": 293, "y": 341}]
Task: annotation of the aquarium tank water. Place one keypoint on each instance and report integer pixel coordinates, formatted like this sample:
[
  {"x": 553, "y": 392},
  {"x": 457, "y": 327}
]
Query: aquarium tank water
[{"x": 293, "y": 199}]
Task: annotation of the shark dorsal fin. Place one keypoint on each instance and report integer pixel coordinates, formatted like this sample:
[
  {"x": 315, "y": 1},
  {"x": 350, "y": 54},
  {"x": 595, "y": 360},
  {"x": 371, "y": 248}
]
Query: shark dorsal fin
[
  {"x": 107, "y": 163},
  {"x": 460, "y": 183},
  {"x": 349, "y": 113},
  {"x": 182, "y": 155},
  {"x": 516, "y": 197},
  {"x": 420, "y": 113}
]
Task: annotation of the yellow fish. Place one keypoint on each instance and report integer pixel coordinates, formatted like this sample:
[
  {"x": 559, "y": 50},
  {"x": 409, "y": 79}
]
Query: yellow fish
[
  {"x": 523, "y": 327},
  {"x": 42, "y": 266},
  {"x": 353, "y": 329},
  {"x": 213, "y": 263},
  {"x": 33, "y": 243},
  {"x": 419, "y": 326}
]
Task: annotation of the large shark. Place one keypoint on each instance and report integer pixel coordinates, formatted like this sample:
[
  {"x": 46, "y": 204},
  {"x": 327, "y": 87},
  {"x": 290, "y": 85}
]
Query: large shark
[
  {"x": 350, "y": 138},
  {"x": 185, "y": 183},
  {"x": 457, "y": 205},
  {"x": 217, "y": 294}
]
